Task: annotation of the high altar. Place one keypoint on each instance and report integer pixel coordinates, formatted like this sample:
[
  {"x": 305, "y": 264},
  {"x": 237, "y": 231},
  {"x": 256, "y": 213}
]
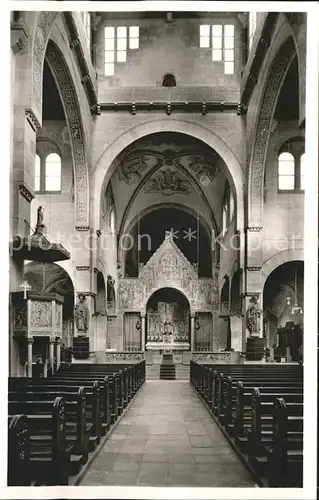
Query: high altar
[{"x": 167, "y": 326}]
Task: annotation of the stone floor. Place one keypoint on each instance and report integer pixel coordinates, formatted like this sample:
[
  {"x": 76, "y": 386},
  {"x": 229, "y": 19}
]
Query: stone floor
[{"x": 167, "y": 438}]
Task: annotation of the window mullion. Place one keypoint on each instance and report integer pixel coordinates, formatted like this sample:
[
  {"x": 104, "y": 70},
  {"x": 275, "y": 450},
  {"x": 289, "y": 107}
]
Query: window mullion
[
  {"x": 42, "y": 174},
  {"x": 297, "y": 173}
]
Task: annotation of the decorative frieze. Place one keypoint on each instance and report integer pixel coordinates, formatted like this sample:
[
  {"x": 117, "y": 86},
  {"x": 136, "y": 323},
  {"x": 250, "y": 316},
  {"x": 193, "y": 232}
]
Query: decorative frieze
[
  {"x": 168, "y": 267},
  {"x": 83, "y": 268},
  {"x": 68, "y": 95},
  {"x": 277, "y": 73},
  {"x": 253, "y": 268}
]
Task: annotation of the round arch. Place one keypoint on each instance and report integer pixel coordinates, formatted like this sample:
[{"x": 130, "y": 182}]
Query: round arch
[
  {"x": 105, "y": 165},
  {"x": 271, "y": 92},
  {"x": 152, "y": 292},
  {"x": 277, "y": 260},
  {"x": 127, "y": 228},
  {"x": 69, "y": 100}
]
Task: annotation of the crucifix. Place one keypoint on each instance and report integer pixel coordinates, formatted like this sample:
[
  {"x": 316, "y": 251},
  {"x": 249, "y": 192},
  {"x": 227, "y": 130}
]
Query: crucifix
[{"x": 25, "y": 287}]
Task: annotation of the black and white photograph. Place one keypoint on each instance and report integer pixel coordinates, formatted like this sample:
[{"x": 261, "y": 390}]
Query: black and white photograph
[{"x": 159, "y": 317}]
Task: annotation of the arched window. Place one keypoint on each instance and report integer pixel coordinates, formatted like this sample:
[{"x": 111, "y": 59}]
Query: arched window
[
  {"x": 53, "y": 172},
  {"x": 169, "y": 80},
  {"x": 37, "y": 173},
  {"x": 286, "y": 171},
  {"x": 302, "y": 172}
]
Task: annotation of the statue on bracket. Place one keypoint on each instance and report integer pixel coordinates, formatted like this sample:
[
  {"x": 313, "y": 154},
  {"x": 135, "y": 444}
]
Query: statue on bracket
[
  {"x": 253, "y": 316},
  {"x": 110, "y": 291},
  {"x": 81, "y": 314},
  {"x": 40, "y": 226}
]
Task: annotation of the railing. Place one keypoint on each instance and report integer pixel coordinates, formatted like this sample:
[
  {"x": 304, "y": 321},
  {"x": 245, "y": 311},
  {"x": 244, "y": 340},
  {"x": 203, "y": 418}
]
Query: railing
[
  {"x": 218, "y": 356},
  {"x": 124, "y": 356}
]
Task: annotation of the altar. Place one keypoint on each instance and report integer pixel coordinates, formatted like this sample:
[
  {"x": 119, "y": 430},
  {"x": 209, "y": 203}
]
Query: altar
[{"x": 168, "y": 326}]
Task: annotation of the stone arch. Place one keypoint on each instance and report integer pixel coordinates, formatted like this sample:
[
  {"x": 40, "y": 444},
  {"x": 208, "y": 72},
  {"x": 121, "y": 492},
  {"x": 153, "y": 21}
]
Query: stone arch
[
  {"x": 103, "y": 170},
  {"x": 69, "y": 99},
  {"x": 271, "y": 93},
  {"x": 128, "y": 223},
  {"x": 277, "y": 260},
  {"x": 154, "y": 290},
  {"x": 39, "y": 45}
]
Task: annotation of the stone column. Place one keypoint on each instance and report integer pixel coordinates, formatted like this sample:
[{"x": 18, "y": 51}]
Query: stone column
[
  {"x": 45, "y": 368},
  {"x": 58, "y": 353},
  {"x": 192, "y": 333},
  {"x": 143, "y": 331},
  {"x": 30, "y": 342},
  {"x": 51, "y": 353}
]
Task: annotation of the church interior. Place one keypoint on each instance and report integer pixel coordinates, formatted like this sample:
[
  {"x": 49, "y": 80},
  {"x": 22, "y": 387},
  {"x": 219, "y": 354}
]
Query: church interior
[{"x": 157, "y": 248}]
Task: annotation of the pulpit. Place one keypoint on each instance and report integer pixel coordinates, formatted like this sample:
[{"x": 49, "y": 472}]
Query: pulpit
[{"x": 37, "y": 328}]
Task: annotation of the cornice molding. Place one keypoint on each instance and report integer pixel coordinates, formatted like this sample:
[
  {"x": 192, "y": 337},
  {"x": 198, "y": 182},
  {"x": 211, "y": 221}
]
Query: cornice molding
[
  {"x": 19, "y": 37},
  {"x": 30, "y": 116},
  {"x": 26, "y": 192},
  {"x": 83, "y": 268},
  {"x": 169, "y": 107}
]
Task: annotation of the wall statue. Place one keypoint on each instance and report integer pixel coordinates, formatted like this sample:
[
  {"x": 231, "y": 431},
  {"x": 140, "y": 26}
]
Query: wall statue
[
  {"x": 110, "y": 285},
  {"x": 253, "y": 316},
  {"x": 81, "y": 314}
]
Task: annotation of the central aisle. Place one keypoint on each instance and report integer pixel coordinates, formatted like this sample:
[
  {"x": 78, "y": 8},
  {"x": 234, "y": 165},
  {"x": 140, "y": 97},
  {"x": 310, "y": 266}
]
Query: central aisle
[{"x": 167, "y": 438}]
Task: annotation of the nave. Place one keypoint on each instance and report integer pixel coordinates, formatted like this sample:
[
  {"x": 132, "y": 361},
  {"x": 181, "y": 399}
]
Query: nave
[
  {"x": 167, "y": 438},
  {"x": 104, "y": 424}
]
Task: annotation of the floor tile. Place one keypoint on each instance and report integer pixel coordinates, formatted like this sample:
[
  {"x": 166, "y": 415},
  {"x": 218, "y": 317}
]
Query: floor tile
[{"x": 167, "y": 438}]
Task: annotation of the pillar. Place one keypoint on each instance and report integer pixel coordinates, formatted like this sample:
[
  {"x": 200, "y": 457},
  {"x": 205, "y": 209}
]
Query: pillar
[
  {"x": 45, "y": 368},
  {"x": 192, "y": 333},
  {"x": 30, "y": 342},
  {"x": 51, "y": 353},
  {"x": 143, "y": 331},
  {"x": 58, "y": 353}
]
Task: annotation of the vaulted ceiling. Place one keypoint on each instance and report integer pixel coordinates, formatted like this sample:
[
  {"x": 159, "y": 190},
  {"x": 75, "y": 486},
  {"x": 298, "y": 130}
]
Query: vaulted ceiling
[{"x": 168, "y": 168}]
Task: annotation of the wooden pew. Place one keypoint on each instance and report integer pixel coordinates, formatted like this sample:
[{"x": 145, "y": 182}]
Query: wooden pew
[
  {"x": 18, "y": 451},
  {"x": 261, "y": 432},
  {"x": 91, "y": 391},
  {"x": 77, "y": 430},
  {"x": 242, "y": 416},
  {"x": 243, "y": 401},
  {"x": 50, "y": 457},
  {"x": 285, "y": 454}
]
